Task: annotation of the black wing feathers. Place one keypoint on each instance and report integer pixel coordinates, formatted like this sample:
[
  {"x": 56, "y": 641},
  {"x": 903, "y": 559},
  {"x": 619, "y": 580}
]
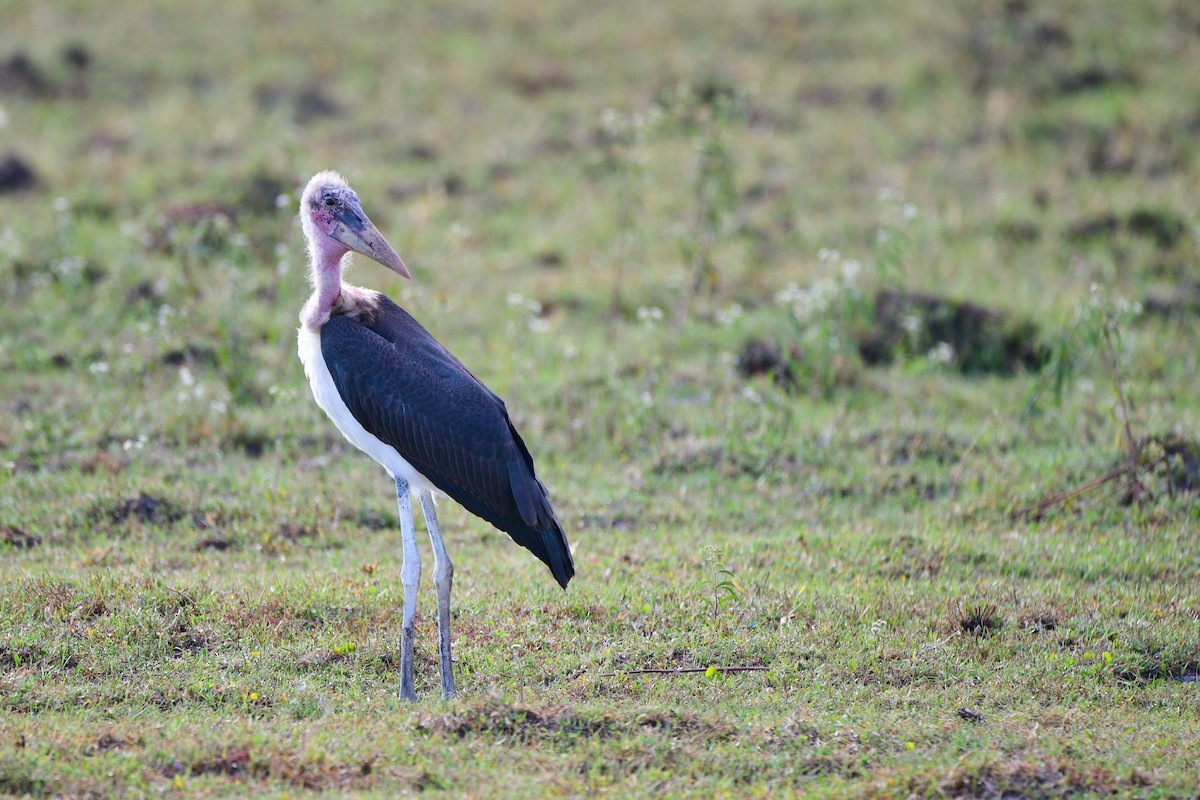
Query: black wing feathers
[{"x": 409, "y": 391}]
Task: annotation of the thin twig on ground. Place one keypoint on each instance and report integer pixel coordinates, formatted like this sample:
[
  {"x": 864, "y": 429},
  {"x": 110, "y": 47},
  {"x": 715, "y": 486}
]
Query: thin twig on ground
[{"x": 1035, "y": 510}]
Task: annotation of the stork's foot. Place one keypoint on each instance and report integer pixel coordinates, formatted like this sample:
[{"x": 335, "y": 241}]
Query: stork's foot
[{"x": 408, "y": 688}]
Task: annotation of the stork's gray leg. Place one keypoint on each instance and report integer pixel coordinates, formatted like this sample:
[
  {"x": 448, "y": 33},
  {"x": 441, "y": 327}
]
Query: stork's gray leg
[
  {"x": 443, "y": 578},
  {"x": 410, "y": 576}
]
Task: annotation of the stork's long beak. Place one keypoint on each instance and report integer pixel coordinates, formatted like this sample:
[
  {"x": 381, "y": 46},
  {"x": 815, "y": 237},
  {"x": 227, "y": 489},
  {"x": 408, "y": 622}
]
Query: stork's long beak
[{"x": 355, "y": 230}]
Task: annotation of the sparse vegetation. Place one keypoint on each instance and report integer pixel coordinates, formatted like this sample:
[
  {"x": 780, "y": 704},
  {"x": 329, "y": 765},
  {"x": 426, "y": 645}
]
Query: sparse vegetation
[{"x": 795, "y": 306}]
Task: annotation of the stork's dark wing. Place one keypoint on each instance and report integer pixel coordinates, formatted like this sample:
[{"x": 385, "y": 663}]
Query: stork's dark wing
[{"x": 407, "y": 390}]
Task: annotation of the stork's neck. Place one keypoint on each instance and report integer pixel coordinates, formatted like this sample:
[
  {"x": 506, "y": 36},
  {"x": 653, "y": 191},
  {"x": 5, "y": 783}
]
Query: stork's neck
[
  {"x": 330, "y": 296},
  {"x": 327, "y": 260}
]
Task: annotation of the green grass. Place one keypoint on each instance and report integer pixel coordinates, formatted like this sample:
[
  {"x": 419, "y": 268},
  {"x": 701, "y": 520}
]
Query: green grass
[{"x": 199, "y": 580}]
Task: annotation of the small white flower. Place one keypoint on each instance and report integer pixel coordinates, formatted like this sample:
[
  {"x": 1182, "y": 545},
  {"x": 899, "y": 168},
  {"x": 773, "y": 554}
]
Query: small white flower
[
  {"x": 941, "y": 353},
  {"x": 98, "y": 367},
  {"x": 62, "y": 205},
  {"x": 649, "y": 314},
  {"x": 186, "y": 377}
]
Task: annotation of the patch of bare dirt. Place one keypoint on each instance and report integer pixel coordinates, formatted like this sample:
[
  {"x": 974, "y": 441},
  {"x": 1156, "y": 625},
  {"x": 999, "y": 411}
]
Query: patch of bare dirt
[
  {"x": 15, "y": 174},
  {"x": 979, "y": 340},
  {"x": 1165, "y": 228},
  {"x": 143, "y": 508},
  {"x": 15, "y": 537},
  {"x": 760, "y": 357},
  {"x": 20, "y": 75}
]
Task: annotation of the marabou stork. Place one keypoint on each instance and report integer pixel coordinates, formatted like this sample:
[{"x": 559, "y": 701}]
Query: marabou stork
[{"x": 397, "y": 394}]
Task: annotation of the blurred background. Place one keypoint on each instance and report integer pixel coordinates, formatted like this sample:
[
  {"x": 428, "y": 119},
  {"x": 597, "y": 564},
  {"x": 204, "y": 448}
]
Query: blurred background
[
  {"x": 812, "y": 314},
  {"x": 667, "y": 234}
]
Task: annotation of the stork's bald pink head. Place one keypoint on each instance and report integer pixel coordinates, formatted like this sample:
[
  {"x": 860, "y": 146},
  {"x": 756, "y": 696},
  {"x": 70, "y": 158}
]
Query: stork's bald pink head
[{"x": 335, "y": 223}]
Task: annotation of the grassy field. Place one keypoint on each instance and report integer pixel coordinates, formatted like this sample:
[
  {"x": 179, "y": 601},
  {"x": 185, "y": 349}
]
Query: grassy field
[{"x": 802, "y": 309}]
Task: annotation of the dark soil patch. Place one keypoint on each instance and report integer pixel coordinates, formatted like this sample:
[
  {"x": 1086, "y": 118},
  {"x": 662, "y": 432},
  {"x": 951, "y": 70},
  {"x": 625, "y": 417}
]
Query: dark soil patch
[
  {"x": 76, "y": 56},
  {"x": 192, "y": 355},
  {"x": 970, "y": 715},
  {"x": 1175, "y": 464},
  {"x": 454, "y": 184},
  {"x": 15, "y": 175},
  {"x": 1092, "y": 78},
  {"x": 218, "y": 542},
  {"x": 423, "y": 152},
  {"x": 234, "y": 762},
  {"x": 143, "y": 292},
  {"x": 143, "y": 508},
  {"x": 313, "y": 103},
  {"x": 14, "y": 536},
  {"x": 982, "y": 340},
  {"x": 550, "y": 259},
  {"x": 759, "y": 357},
  {"x": 19, "y": 75},
  {"x": 1165, "y": 228},
  {"x": 252, "y": 443}
]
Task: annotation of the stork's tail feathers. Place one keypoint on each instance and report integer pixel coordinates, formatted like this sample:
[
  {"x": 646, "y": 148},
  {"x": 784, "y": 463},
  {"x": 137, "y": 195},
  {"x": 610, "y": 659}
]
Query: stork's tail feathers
[
  {"x": 557, "y": 554},
  {"x": 544, "y": 537}
]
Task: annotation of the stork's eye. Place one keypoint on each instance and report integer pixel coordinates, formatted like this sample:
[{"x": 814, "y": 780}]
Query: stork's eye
[{"x": 331, "y": 201}]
